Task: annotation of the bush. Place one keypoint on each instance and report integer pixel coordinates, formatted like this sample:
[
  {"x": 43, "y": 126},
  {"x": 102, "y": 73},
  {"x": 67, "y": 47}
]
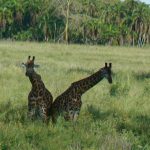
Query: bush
[{"x": 23, "y": 36}]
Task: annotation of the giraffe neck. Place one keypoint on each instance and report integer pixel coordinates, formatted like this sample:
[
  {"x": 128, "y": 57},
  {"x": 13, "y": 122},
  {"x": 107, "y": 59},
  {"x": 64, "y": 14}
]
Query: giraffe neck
[
  {"x": 85, "y": 84},
  {"x": 36, "y": 82}
]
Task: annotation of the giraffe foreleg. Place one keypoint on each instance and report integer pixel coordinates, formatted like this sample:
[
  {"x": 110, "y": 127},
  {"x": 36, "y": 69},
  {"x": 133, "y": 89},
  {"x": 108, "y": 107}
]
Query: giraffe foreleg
[
  {"x": 32, "y": 110},
  {"x": 54, "y": 115},
  {"x": 71, "y": 115},
  {"x": 67, "y": 116}
]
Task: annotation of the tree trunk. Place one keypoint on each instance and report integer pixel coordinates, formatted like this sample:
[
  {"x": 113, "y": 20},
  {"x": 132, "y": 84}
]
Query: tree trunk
[{"x": 67, "y": 21}]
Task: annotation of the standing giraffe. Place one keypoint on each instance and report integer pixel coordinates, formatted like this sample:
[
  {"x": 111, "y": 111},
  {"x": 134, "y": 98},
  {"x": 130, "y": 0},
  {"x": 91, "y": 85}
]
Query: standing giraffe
[
  {"x": 39, "y": 99},
  {"x": 68, "y": 104}
]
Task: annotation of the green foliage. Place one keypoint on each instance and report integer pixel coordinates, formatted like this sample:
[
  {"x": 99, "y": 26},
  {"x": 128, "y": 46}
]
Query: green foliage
[
  {"x": 23, "y": 36},
  {"x": 113, "y": 117},
  {"x": 108, "y": 22}
]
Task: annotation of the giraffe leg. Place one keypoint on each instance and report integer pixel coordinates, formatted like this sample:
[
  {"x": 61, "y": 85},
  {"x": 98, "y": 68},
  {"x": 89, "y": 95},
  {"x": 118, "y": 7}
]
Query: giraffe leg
[
  {"x": 43, "y": 114},
  {"x": 75, "y": 116},
  {"x": 32, "y": 110},
  {"x": 53, "y": 115},
  {"x": 32, "y": 114},
  {"x": 67, "y": 117},
  {"x": 45, "y": 118},
  {"x": 54, "y": 119},
  {"x": 71, "y": 114}
]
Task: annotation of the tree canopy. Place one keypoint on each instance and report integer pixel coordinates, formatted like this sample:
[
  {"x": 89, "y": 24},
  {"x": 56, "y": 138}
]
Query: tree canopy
[{"x": 111, "y": 22}]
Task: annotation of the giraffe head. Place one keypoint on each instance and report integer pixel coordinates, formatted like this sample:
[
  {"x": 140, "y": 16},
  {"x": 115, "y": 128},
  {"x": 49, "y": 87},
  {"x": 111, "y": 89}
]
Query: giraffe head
[
  {"x": 106, "y": 72},
  {"x": 30, "y": 66}
]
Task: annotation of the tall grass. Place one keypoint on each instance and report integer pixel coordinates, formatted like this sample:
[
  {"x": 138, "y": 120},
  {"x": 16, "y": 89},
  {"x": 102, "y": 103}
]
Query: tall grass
[{"x": 113, "y": 117}]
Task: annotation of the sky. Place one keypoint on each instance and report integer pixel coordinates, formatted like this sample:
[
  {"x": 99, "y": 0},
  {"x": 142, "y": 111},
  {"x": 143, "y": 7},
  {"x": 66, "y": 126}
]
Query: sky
[{"x": 146, "y": 1}]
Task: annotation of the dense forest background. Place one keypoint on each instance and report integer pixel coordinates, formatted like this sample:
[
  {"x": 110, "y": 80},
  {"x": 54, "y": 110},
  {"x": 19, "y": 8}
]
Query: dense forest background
[{"x": 107, "y": 22}]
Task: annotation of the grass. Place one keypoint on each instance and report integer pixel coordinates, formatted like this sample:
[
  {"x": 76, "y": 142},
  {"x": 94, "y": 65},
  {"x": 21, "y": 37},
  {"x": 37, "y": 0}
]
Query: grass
[{"x": 113, "y": 117}]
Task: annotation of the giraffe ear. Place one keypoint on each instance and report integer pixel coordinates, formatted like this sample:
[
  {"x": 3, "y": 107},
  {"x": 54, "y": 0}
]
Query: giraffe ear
[
  {"x": 110, "y": 65},
  {"x": 106, "y": 65},
  {"x": 29, "y": 57},
  {"x": 33, "y": 58}
]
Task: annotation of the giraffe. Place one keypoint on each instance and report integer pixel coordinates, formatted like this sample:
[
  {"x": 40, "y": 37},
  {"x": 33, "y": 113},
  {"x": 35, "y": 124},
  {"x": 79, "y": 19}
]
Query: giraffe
[
  {"x": 69, "y": 103},
  {"x": 39, "y": 99}
]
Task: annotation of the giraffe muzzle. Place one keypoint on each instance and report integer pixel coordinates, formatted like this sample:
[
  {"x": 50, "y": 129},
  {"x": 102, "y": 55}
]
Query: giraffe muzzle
[{"x": 110, "y": 80}]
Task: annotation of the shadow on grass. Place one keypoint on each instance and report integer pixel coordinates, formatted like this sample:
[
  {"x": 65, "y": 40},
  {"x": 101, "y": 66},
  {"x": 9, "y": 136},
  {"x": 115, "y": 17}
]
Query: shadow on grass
[
  {"x": 142, "y": 75},
  {"x": 97, "y": 114},
  {"x": 139, "y": 125}
]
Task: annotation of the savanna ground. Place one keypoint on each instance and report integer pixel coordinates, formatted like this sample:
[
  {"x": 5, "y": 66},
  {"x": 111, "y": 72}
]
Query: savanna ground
[{"x": 113, "y": 117}]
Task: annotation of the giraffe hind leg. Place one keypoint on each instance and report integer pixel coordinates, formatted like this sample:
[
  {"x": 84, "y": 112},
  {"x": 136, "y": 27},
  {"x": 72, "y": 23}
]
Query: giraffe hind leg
[
  {"x": 32, "y": 113},
  {"x": 67, "y": 116},
  {"x": 43, "y": 114},
  {"x": 72, "y": 115},
  {"x": 75, "y": 116}
]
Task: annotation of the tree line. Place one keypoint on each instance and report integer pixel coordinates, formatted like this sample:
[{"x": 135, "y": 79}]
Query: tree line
[{"x": 107, "y": 22}]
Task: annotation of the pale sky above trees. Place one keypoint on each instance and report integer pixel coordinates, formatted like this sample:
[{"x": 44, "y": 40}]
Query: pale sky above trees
[{"x": 146, "y": 1}]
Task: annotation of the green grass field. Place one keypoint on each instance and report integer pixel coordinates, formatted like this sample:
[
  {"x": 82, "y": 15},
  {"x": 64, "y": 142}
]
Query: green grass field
[{"x": 113, "y": 117}]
